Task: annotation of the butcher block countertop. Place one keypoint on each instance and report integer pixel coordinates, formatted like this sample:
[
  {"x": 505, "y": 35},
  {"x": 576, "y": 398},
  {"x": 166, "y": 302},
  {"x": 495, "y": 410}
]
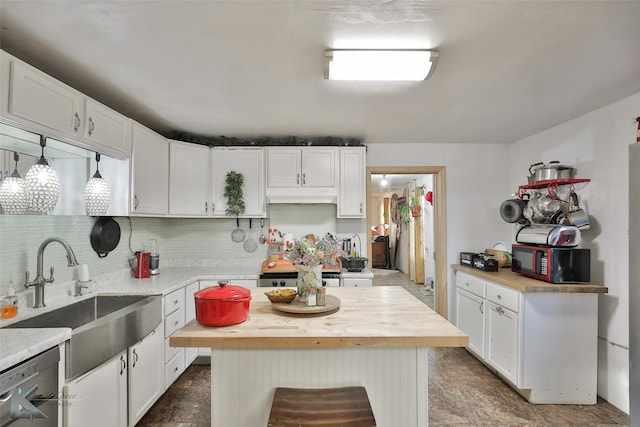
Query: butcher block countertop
[
  {"x": 379, "y": 316},
  {"x": 525, "y": 284}
]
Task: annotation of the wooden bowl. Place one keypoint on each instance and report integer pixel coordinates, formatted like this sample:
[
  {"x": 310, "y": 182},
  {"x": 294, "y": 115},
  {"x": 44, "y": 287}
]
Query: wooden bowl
[{"x": 281, "y": 295}]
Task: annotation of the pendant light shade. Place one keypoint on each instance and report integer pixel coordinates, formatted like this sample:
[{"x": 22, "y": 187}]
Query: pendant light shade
[
  {"x": 96, "y": 193},
  {"x": 13, "y": 195},
  {"x": 42, "y": 185}
]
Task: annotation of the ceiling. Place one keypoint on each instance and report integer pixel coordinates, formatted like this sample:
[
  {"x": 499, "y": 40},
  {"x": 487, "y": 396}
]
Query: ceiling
[{"x": 507, "y": 69}]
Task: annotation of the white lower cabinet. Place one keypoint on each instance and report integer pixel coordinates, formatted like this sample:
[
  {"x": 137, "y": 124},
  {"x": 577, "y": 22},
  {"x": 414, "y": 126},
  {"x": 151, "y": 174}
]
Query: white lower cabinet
[
  {"x": 101, "y": 391},
  {"x": 145, "y": 375},
  {"x": 544, "y": 344},
  {"x": 179, "y": 309},
  {"x": 120, "y": 391},
  {"x": 470, "y": 319},
  {"x": 502, "y": 341}
]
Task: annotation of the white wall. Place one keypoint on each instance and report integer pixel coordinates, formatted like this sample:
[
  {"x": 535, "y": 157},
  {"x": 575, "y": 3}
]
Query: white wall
[{"x": 597, "y": 145}]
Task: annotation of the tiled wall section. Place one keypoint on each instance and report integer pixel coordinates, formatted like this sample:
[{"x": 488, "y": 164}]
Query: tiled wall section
[{"x": 178, "y": 239}]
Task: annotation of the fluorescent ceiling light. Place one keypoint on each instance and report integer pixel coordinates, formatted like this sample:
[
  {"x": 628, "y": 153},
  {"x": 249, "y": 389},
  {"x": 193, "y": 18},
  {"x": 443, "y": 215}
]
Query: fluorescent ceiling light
[{"x": 402, "y": 64}]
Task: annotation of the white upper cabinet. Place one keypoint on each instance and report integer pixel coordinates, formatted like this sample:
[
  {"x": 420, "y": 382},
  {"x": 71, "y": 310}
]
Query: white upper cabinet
[
  {"x": 250, "y": 163},
  {"x": 301, "y": 167},
  {"x": 198, "y": 177},
  {"x": 42, "y": 104},
  {"x": 40, "y": 99},
  {"x": 352, "y": 189},
  {"x": 149, "y": 173},
  {"x": 189, "y": 179},
  {"x": 107, "y": 128}
]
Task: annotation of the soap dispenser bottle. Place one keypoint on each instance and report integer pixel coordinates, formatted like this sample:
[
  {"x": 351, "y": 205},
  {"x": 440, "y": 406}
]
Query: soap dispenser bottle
[{"x": 9, "y": 304}]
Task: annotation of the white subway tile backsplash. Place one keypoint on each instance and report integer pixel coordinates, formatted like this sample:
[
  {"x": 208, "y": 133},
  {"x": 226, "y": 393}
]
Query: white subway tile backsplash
[{"x": 199, "y": 241}]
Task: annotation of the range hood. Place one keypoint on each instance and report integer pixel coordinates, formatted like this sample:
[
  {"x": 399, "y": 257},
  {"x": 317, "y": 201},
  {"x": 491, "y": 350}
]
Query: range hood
[{"x": 302, "y": 195}]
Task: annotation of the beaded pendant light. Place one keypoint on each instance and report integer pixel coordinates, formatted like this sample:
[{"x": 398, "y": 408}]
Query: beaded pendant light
[
  {"x": 96, "y": 193},
  {"x": 42, "y": 185},
  {"x": 13, "y": 196}
]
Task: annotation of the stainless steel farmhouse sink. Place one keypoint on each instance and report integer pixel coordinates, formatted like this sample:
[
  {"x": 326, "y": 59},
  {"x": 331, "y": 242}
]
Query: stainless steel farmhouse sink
[{"x": 102, "y": 327}]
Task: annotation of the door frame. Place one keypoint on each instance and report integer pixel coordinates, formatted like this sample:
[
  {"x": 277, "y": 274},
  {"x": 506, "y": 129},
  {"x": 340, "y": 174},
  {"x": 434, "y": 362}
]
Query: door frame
[{"x": 439, "y": 219}]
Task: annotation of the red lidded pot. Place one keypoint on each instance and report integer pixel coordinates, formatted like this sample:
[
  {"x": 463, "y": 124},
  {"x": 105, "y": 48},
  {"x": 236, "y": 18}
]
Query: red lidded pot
[{"x": 222, "y": 305}]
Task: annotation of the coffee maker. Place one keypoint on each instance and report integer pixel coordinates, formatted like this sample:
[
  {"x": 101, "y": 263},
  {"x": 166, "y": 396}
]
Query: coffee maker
[{"x": 154, "y": 258}]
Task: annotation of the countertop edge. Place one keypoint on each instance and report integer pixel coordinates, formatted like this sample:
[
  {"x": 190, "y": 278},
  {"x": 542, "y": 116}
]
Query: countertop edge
[
  {"x": 29, "y": 342},
  {"x": 525, "y": 284}
]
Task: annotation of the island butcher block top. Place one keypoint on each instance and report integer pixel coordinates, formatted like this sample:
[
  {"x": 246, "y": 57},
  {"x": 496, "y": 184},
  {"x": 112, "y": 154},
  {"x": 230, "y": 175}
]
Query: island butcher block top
[{"x": 379, "y": 316}]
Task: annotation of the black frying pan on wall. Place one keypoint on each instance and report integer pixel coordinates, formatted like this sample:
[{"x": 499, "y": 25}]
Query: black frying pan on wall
[{"x": 105, "y": 235}]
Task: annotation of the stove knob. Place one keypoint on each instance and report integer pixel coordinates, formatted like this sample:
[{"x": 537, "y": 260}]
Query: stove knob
[
  {"x": 324, "y": 283},
  {"x": 282, "y": 283},
  {"x": 274, "y": 283}
]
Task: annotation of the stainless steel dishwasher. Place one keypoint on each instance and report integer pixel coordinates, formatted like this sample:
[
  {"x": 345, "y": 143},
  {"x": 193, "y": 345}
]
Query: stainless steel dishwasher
[{"x": 29, "y": 392}]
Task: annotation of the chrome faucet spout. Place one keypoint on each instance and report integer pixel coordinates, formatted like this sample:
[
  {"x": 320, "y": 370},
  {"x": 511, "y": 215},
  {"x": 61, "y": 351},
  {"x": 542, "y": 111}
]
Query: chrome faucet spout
[{"x": 40, "y": 281}]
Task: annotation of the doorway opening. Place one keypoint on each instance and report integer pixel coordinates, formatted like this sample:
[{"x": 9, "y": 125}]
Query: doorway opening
[{"x": 399, "y": 226}]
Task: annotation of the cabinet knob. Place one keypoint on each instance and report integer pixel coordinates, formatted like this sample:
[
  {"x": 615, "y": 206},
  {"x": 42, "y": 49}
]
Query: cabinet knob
[
  {"x": 92, "y": 126},
  {"x": 76, "y": 122},
  {"x": 298, "y": 178}
]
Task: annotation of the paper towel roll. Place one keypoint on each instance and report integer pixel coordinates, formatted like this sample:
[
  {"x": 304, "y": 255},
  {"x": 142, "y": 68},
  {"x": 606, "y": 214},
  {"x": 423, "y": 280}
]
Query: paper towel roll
[{"x": 83, "y": 273}]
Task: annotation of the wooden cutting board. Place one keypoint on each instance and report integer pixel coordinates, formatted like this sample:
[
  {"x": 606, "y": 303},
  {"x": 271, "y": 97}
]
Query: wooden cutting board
[{"x": 286, "y": 266}]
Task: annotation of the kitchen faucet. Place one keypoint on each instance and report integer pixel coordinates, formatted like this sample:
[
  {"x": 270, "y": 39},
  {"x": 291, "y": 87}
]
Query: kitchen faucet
[{"x": 40, "y": 281}]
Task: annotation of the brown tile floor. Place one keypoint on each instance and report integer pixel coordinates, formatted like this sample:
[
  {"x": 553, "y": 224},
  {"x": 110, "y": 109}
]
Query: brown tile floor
[{"x": 462, "y": 392}]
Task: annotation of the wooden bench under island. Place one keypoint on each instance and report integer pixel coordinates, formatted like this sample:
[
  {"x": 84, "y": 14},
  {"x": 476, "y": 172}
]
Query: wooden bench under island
[{"x": 377, "y": 339}]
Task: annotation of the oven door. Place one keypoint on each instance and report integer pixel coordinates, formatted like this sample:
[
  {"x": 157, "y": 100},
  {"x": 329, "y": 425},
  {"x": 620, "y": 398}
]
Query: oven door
[{"x": 29, "y": 392}]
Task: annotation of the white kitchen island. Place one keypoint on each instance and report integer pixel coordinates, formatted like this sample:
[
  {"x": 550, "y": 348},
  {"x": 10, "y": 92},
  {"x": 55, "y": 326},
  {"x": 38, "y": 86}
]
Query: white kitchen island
[{"x": 377, "y": 339}]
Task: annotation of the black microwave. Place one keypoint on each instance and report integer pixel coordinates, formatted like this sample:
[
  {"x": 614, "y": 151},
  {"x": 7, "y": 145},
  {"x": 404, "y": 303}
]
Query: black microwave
[{"x": 552, "y": 264}]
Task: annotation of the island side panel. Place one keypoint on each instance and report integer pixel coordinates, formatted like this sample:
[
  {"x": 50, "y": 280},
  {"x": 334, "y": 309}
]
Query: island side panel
[{"x": 243, "y": 381}]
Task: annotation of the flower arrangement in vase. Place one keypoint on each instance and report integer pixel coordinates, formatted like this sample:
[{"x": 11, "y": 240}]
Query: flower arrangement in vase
[{"x": 310, "y": 253}]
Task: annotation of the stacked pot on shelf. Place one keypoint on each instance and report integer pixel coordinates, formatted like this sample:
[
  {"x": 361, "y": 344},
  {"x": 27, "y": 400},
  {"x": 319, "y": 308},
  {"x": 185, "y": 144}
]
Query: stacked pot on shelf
[{"x": 539, "y": 202}]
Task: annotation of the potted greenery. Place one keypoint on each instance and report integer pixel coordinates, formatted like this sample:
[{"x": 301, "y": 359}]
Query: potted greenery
[{"x": 233, "y": 193}]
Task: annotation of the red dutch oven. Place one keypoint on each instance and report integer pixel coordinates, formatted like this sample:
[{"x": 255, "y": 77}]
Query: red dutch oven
[{"x": 222, "y": 305}]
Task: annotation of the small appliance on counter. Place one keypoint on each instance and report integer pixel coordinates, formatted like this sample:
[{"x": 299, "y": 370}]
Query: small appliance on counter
[
  {"x": 549, "y": 235},
  {"x": 479, "y": 260},
  {"x": 484, "y": 262},
  {"x": 552, "y": 263},
  {"x": 466, "y": 258},
  {"x": 154, "y": 258},
  {"x": 140, "y": 265}
]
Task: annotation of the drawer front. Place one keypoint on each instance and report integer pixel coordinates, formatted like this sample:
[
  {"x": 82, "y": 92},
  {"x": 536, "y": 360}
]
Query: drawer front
[
  {"x": 170, "y": 352},
  {"x": 508, "y": 298},
  {"x": 173, "y": 322},
  {"x": 173, "y": 301},
  {"x": 173, "y": 369},
  {"x": 357, "y": 282},
  {"x": 470, "y": 283}
]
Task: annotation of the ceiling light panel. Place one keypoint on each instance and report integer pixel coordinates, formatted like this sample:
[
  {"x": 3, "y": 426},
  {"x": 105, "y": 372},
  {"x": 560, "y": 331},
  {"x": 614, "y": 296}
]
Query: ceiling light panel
[{"x": 379, "y": 65}]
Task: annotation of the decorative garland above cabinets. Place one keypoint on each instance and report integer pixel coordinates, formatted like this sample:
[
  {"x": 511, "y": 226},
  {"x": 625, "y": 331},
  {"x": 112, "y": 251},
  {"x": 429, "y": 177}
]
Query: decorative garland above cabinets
[{"x": 266, "y": 141}]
